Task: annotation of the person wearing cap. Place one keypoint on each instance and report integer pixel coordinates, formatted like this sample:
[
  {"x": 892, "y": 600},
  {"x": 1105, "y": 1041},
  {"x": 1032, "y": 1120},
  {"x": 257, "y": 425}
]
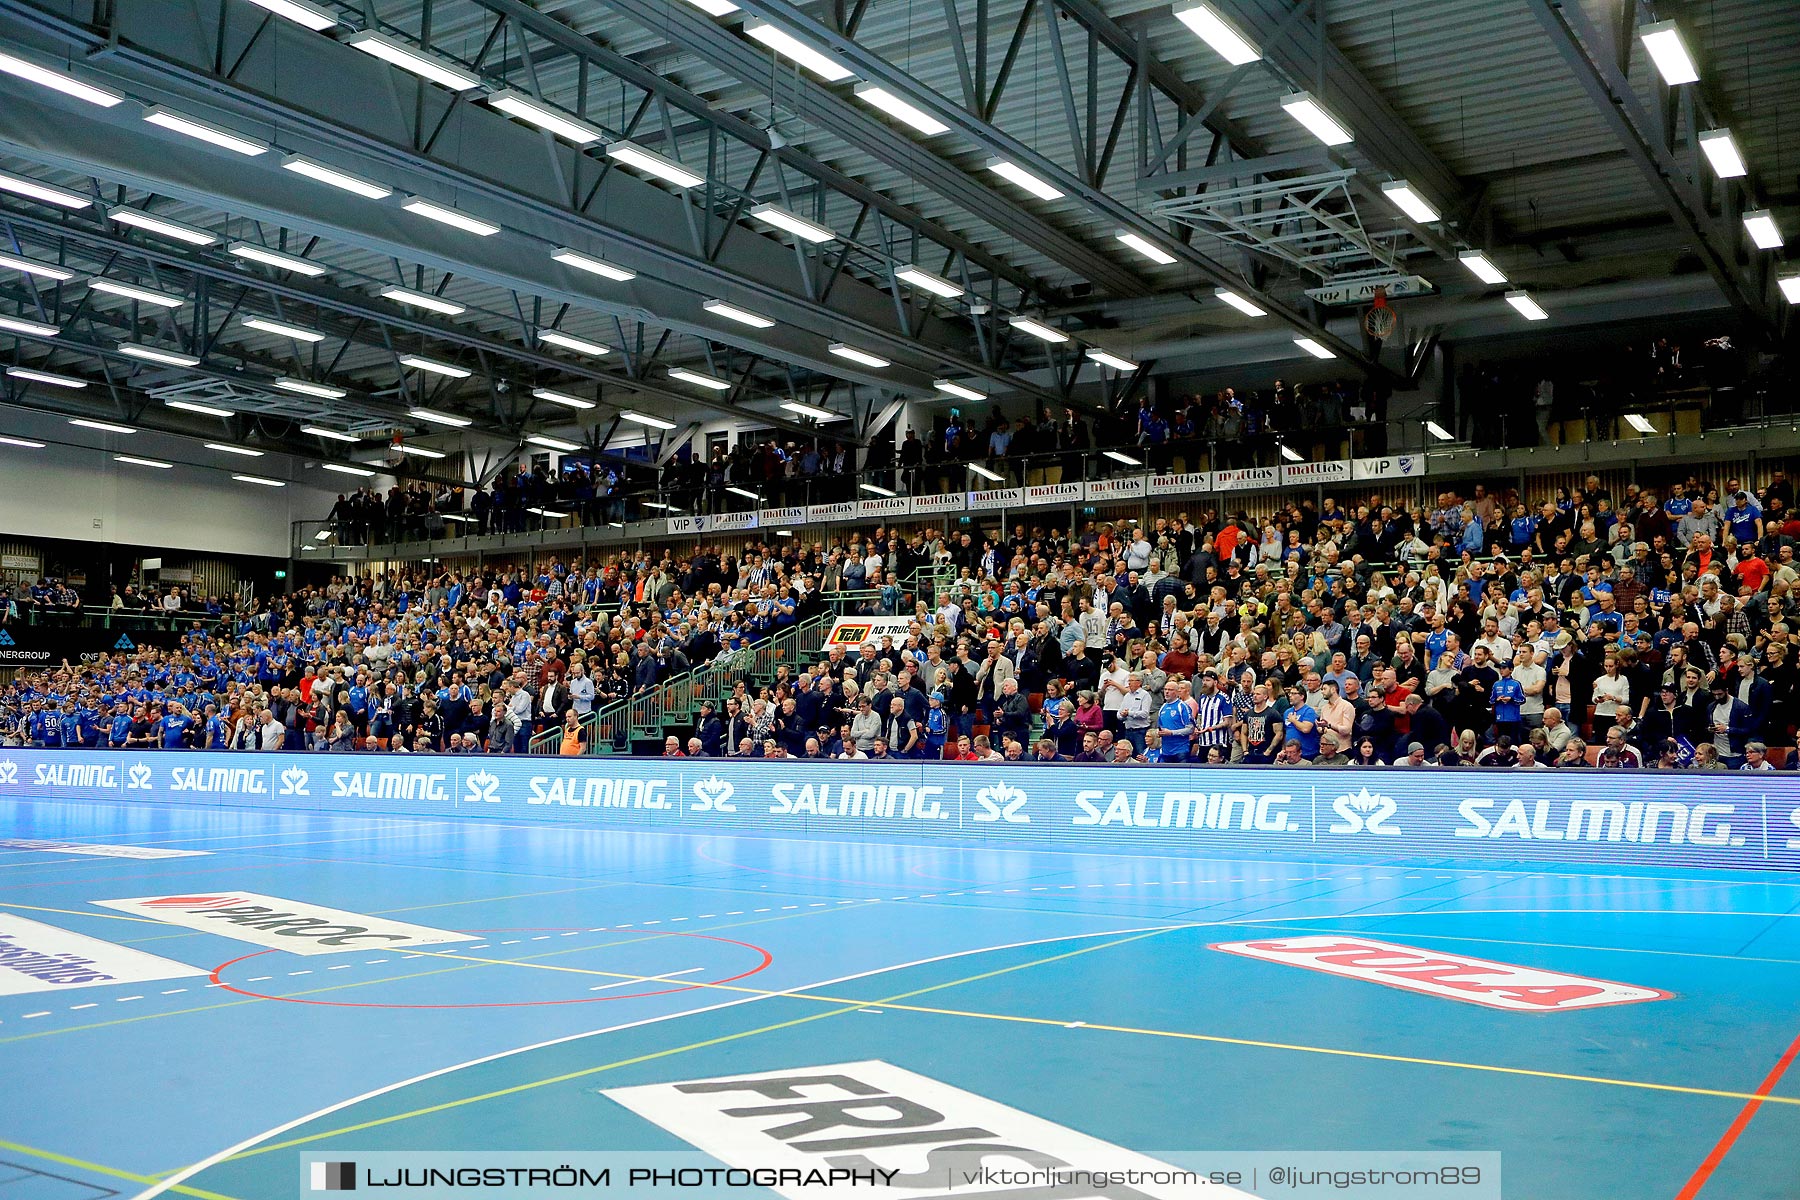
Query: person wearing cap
[
  {"x": 1508, "y": 699},
  {"x": 936, "y": 728},
  {"x": 1415, "y": 756},
  {"x": 1730, "y": 723}
]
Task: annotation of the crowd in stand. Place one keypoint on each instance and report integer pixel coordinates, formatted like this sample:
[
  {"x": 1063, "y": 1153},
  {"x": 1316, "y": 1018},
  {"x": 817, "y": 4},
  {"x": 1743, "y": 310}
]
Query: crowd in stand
[{"x": 1655, "y": 628}]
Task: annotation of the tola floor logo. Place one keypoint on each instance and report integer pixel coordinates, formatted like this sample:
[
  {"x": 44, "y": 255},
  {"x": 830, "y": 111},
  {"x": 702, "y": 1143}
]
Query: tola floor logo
[
  {"x": 1000, "y": 802},
  {"x": 278, "y": 924},
  {"x": 1364, "y": 811},
  {"x": 483, "y": 787}
]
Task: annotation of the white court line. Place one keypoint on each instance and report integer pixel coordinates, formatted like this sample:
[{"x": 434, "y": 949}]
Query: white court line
[{"x": 647, "y": 979}]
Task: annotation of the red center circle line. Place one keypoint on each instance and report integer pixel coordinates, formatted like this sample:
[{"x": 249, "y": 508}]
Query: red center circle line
[{"x": 766, "y": 958}]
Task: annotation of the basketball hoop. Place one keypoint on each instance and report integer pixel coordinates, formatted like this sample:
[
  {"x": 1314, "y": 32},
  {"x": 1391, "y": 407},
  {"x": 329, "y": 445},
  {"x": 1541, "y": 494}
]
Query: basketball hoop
[
  {"x": 396, "y": 451},
  {"x": 1381, "y": 320}
]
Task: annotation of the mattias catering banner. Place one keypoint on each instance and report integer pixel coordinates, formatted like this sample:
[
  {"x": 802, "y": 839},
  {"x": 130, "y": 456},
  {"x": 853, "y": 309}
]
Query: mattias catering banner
[{"x": 1726, "y": 819}]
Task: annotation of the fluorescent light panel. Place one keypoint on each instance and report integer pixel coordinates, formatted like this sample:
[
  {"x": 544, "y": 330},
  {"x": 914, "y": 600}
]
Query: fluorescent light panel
[
  {"x": 876, "y": 96},
  {"x": 877, "y": 489},
  {"x": 961, "y": 391},
  {"x": 19, "y": 185},
  {"x": 308, "y": 388},
  {"x": 29, "y": 267},
  {"x": 1119, "y": 456},
  {"x": 1439, "y": 432},
  {"x": 990, "y": 476},
  {"x": 58, "y": 80},
  {"x": 1528, "y": 308},
  {"x": 174, "y": 122},
  {"x": 562, "y": 398},
  {"x": 143, "y": 462},
  {"x": 420, "y": 363},
  {"x": 1669, "y": 51},
  {"x": 1218, "y": 33},
  {"x": 344, "y": 181},
  {"x": 551, "y": 443},
  {"x": 167, "y": 358},
  {"x": 283, "y": 329},
  {"x": 592, "y": 265},
  {"x": 1790, "y": 288},
  {"x": 425, "y": 66},
  {"x": 699, "y": 380},
  {"x": 544, "y": 116},
  {"x": 1402, "y": 196},
  {"x": 801, "y": 51},
  {"x": 439, "y": 418},
  {"x": 205, "y": 410},
  {"x": 645, "y": 419},
  {"x": 1018, "y": 176},
  {"x": 259, "y": 480},
  {"x": 1238, "y": 302},
  {"x": 1289, "y": 453},
  {"x": 557, "y": 337},
  {"x": 133, "y": 292},
  {"x": 46, "y": 377},
  {"x": 1761, "y": 227},
  {"x": 800, "y": 227},
  {"x": 665, "y": 169},
  {"x": 162, "y": 227},
  {"x": 715, "y": 8},
  {"x": 937, "y": 285},
  {"x": 1309, "y": 112},
  {"x": 746, "y": 493},
  {"x": 1108, "y": 359},
  {"x": 276, "y": 259},
  {"x": 1145, "y": 247},
  {"x": 1639, "y": 422},
  {"x": 426, "y": 300},
  {"x": 1722, "y": 152},
  {"x": 1313, "y": 348},
  {"x": 27, "y": 443},
  {"x": 102, "y": 426},
  {"x": 799, "y": 408},
  {"x": 28, "y": 328},
  {"x": 240, "y": 451},
  {"x": 1037, "y": 329},
  {"x": 1481, "y": 267},
  {"x": 335, "y": 435},
  {"x": 742, "y": 316},
  {"x": 454, "y": 218},
  {"x": 422, "y": 452},
  {"x": 863, "y": 357},
  {"x": 300, "y": 13},
  {"x": 346, "y": 469}
]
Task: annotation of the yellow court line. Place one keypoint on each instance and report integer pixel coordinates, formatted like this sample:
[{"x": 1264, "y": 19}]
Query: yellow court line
[
  {"x": 850, "y": 1006},
  {"x": 83, "y": 1165}
]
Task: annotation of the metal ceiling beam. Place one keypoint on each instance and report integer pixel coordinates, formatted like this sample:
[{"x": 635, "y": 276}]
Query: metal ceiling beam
[
  {"x": 1582, "y": 48},
  {"x": 868, "y": 65}
]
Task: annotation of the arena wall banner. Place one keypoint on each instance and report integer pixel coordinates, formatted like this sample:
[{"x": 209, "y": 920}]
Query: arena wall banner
[
  {"x": 49, "y": 645},
  {"x": 1683, "y": 819},
  {"x": 852, "y": 632}
]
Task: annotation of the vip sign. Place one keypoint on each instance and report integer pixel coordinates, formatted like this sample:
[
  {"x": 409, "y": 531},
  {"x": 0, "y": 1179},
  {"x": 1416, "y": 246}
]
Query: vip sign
[
  {"x": 277, "y": 924},
  {"x": 43, "y": 958},
  {"x": 1398, "y": 466},
  {"x": 693, "y": 524},
  {"x": 941, "y": 1140},
  {"x": 1447, "y": 976}
]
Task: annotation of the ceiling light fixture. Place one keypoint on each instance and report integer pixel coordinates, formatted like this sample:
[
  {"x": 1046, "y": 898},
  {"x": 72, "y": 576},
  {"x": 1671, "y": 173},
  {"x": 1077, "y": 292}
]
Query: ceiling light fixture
[
  {"x": 557, "y": 337},
  {"x": 29, "y": 267},
  {"x": 1309, "y": 112},
  {"x": 102, "y": 426},
  {"x": 454, "y": 218},
  {"x": 562, "y": 398},
  {"x": 800, "y": 227},
  {"x": 28, "y": 328},
  {"x": 308, "y": 388},
  {"x": 1439, "y": 432},
  {"x": 58, "y": 80},
  {"x": 592, "y": 265},
  {"x": 449, "y": 370},
  {"x": 143, "y": 462},
  {"x": 61, "y": 197},
  {"x": 50, "y": 378},
  {"x": 1107, "y": 359},
  {"x": 173, "y": 230},
  {"x": 439, "y": 418},
  {"x": 1761, "y": 227},
  {"x": 1238, "y": 302},
  {"x": 1037, "y": 329},
  {"x": 1313, "y": 348},
  {"x": 801, "y": 409},
  {"x": 665, "y": 169},
  {"x": 699, "y": 380},
  {"x": 990, "y": 476},
  {"x": 551, "y": 443},
  {"x": 283, "y": 329},
  {"x": 300, "y": 13},
  {"x": 1218, "y": 33},
  {"x": 335, "y": 435},
  {"x": 876, "y": 96},
  {"x": 801, "y": 51},
  {"x": 167, "y": 358},
  {"x": 276, "y": 258},
  {"x": 205, "y": 410},
  {"x": 133, "y": 292},
  {"x": 961, "y": 391},
  {"x": 259, "y": 480},
  {"x": 645, "y": 419},
  {"x": 1528, "y": 308},
  {"x": 1018, "y": 176},
  {"x": 27, "y": 443},
  {"x": 712, "y": 8},
  {"x": 1145, "y": 247},
  {"x": 1790, "y": 287},
  {"x": 1402, "y": 196},
  {"x": 343, "y": 469},
  {"x": 937, "y": 285},
  {"x": 746, "y": 493},
  {"x": 344, "y": 181},
  {"x": 742, "y": 316},
  {"x": 1119, "y": 456},
  {"x": 877, "y": 489},
  {"x": 1481, "y": 267},
  {"x": 241, "y": 451},
  {"x": 862, "y": 357},
  {"x": 422, "y": 451},
  {"x": 536, "y": 112},
  {"x": 174, "y": 122},
  {"x": 426, "y": 300},
  {"x": 425, "y": 66},
  {"x": 1722, "y": 152},
  {"x": 1669, "y": 51},
  {"x": 1640, "y": 423},
  {"x": 1290, "y": 454}
]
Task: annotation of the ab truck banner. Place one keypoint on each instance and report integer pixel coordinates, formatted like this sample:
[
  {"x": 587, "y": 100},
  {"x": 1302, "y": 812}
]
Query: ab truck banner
[{"x": 1734, "y": 820}]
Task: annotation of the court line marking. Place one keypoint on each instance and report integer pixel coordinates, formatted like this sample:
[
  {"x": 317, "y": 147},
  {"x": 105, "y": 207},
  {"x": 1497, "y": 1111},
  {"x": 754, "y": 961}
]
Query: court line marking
[
  {"x": 1729, "y": 1138},
  {"x": 181, "y": 1176},
  {"x": 647, "y": 979},
  {"x": 113, "y": 1172}
]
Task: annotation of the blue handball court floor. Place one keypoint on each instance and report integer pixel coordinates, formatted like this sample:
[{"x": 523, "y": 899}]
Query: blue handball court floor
[{"x": 473, "y": 985}]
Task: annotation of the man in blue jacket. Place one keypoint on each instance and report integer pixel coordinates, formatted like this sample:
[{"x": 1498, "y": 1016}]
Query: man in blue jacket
[{"x": 1731, "y": 724}]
